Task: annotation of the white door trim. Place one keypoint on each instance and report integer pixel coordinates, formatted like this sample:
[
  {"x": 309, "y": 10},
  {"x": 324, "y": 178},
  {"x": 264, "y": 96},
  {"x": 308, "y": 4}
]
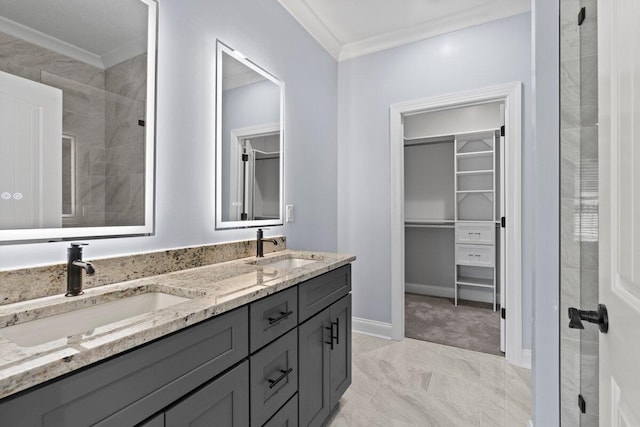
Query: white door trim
[{"x": 511, "y": 95}]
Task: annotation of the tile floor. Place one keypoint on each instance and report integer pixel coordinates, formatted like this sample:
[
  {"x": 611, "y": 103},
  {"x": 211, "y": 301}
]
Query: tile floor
[{"x": 418, "y": 383}]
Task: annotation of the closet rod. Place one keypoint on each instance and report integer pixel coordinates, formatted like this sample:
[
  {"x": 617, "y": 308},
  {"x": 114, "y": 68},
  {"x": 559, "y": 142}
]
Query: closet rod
[{"x": 417, "y": 144}]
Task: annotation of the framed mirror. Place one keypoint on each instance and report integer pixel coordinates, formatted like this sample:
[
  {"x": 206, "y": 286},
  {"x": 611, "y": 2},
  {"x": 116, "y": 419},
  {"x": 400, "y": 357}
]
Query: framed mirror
[
  {"x": 77, "y": 118},
  {"x": 249, "y": 143}
]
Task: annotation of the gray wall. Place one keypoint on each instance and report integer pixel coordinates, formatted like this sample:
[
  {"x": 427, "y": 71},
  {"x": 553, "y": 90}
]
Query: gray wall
[
  {"x": 266, "y": 33},
  {"x": 490, "y": 54},
  {"x": 546, "y": 72}
]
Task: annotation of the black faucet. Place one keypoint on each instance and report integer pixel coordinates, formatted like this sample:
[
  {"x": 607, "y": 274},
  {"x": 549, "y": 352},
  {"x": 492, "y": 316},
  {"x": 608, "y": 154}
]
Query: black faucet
[
  {"x": 75, "y": 265},
  {"x": 260, "y": 241}
]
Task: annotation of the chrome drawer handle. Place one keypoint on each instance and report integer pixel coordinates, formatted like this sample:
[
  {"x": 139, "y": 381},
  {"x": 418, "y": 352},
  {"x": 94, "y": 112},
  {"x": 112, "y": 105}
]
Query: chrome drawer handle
[
  {"x": 283, "y": 315},
  {"x": 280, "y": 378}
]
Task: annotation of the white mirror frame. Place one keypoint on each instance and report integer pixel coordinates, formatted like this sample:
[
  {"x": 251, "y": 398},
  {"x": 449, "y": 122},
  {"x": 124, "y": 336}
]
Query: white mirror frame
[
  {"x": 51, "y": 234},
  {"x": 220, "y": 225}
]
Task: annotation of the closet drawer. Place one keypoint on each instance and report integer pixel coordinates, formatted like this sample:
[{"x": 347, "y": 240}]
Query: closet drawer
[
  {"x": 272, "y": 316},
  {"x": 478, "y": 255},
  {"x": 475, "y": 233}
]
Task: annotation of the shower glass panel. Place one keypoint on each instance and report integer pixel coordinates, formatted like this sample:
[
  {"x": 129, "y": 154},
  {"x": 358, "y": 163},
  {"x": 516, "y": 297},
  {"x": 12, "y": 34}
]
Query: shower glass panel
[{"x": 579, "y": 209}]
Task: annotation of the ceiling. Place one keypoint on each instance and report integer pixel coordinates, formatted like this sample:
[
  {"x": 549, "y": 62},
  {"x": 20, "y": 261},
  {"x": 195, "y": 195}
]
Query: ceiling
[
  {"x": 351, "y": 28},
  {"x": 100, "y": 33}
]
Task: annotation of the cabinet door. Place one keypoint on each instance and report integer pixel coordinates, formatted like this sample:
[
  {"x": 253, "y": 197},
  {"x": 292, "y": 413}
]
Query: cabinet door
[
  {"x": 341, "y": 353},
  {"x": 224, "y": 402},
  {"x": 313, "y": 375}
]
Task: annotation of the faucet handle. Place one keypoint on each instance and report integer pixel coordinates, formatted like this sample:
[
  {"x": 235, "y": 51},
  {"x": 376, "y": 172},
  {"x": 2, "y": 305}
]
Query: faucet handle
[{"x": 78, "y": 244}]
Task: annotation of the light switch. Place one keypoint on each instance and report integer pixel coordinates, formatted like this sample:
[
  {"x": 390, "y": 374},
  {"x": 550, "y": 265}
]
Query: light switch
[{"x": 289, "y": 214}]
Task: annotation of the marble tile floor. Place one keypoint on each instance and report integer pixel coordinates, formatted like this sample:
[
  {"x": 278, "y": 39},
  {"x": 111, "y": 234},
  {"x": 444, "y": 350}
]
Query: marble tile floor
[{"x": 418, "y": 383}]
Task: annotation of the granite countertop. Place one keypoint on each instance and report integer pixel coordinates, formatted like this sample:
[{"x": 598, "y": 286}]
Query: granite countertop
[{"x": 212, "y": 290}]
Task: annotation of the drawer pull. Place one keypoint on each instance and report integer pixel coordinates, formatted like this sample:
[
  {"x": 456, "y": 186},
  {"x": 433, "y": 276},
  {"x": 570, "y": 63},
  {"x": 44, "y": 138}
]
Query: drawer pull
[
  {"x": 272, "y": 383},
  {"x": 283, "y": 315}
]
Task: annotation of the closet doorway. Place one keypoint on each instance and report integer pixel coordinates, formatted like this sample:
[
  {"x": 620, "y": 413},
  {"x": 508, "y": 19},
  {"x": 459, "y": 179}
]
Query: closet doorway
[
  {"x": 453, "y": 205},
  {"x": 455, "y": 167}
]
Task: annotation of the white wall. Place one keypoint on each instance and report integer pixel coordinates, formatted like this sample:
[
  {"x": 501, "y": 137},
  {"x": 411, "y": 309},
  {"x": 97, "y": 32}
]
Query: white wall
[
  {"x": 267, "y": 34},
  {"x": 495, "y": 53}
]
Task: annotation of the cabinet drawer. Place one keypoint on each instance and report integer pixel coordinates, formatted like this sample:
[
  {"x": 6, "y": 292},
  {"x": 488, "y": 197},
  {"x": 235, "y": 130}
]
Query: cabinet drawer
[
  {"x": 478, "y": 255},
  {"x": 271, "y": 317},
  {"x": 475, "y": 233},
  {"x": 273, "y": 377},
  {"x": 151, "y": 376},
  {"x": 320, "y": 292},
  {"x": 223, "y": 402},
  {"x": 287, "y": 416}
]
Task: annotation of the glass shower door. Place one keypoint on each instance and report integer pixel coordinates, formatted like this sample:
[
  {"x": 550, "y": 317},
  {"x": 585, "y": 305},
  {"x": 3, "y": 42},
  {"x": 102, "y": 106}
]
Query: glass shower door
[{"x": 579, "y": 210}]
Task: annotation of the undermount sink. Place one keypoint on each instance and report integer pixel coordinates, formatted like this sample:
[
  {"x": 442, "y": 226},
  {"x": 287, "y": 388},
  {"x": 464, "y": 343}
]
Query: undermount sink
[
  {"x": 76, "y": 322},
  {"x": 286, "y": 263}
]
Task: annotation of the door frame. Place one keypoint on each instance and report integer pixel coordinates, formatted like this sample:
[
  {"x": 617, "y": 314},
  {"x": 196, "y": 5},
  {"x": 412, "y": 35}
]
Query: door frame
[
  {"x": 511, "y": 95},
  {"x": 237, "y": 136}
]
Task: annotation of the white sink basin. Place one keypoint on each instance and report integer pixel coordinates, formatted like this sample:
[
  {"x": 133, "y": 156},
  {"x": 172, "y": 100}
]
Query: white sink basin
[
  {"x": 286, "y": 263},
  {"x": 76, "y": 322}
]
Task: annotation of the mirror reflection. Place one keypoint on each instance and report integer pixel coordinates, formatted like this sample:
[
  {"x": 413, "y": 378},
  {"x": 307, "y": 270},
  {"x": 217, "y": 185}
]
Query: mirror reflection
[
  {"x": 249, "y": 143},
  {"x": 76, "y": 115}
]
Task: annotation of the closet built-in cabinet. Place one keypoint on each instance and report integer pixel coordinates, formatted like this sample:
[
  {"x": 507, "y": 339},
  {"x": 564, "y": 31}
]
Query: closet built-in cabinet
[{"x": 452, "y": 211}]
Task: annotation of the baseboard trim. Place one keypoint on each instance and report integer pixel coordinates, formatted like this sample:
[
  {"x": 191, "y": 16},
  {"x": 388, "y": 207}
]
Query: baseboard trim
[
  {"x": 526, "y": 358},
  {"x": 371, "y": 327},
  {"x": 448, "y": 292}
]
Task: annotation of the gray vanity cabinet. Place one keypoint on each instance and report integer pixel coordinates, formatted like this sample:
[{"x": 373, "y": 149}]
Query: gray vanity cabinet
[
  {"x": 129, "y": 388},
  {"x": 281, "y": 361},
  {"x": 224, "y": 402},
  {"x": 324, "y": 345},
  {"x": 313, "y": 388},
  {"x": 340, "y": 356}
]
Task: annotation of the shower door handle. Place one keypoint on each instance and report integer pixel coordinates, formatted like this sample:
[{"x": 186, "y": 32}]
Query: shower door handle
[{"x": 600, "y": 317}]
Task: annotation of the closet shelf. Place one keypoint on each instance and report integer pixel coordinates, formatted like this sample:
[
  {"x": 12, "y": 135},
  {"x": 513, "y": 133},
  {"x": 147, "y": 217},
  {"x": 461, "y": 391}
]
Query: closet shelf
[
  {"x": 474, "y": 191},
  {"x": 429, "y": 223},
  {"x": 475, "y": 281},
  {"x": 410, "y": 225},
  {"x": 475, "y": 154},
  {"x": 476, "y": 172}
]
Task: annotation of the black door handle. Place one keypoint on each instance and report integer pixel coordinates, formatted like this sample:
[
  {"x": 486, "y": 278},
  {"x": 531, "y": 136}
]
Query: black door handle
[
  {"x": 601, "y": 317},
  {"x": 283, "y": 315},
  {"x": 284, "y": 374},
  {"x": 330, "y": 342}
]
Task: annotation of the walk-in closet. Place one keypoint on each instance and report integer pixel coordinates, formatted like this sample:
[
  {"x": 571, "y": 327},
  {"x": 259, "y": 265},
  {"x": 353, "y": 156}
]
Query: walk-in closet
[{"x": 453, "y": 196}]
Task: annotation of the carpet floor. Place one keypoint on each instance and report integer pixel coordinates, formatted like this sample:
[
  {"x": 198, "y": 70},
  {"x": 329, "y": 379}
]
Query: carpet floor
[{"x": 471, "y": 325}]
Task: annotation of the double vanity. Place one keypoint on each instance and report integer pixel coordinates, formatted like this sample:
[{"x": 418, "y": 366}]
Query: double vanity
[{"x": 254, "y": 341}]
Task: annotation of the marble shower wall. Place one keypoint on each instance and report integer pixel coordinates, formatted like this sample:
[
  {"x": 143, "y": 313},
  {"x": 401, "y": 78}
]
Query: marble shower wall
[
  {"x": 579, "y": 208},
  {"x": 125, "y": 86},
  {"x": 83, "y": 115}
]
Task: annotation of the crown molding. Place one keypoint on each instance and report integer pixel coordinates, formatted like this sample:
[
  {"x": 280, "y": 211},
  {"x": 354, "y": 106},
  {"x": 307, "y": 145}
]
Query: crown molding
[
  {"x": 465, "y": 19},
  {"x": 314, "y": 26},
  {"x": 454, "y": 22},
  {"x": 124, "y": 52},
  {"x": 46, "y": 41}
]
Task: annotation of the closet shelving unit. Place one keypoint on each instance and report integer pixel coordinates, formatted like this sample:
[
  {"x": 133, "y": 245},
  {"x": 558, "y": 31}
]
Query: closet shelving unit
[{"x": 475, "y": 210}]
